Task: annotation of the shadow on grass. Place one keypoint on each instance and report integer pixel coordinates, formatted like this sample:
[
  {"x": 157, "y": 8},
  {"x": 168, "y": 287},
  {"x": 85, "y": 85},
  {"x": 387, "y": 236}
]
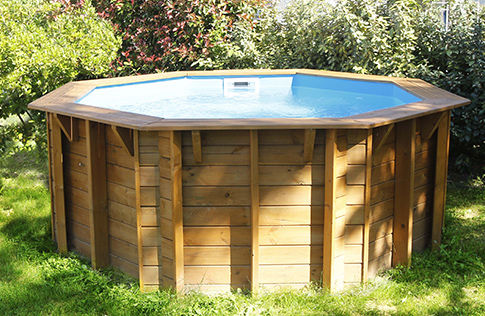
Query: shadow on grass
[{"x": 460, "y": 261}]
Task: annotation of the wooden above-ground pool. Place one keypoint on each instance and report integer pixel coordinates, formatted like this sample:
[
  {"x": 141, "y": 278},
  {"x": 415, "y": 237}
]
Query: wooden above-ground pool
[{"x": 177, "y": 180}]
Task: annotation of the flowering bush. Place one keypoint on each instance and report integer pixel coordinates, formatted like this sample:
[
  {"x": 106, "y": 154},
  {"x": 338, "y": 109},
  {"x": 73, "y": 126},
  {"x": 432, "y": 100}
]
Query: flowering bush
[{"x": 175, "y": 35}]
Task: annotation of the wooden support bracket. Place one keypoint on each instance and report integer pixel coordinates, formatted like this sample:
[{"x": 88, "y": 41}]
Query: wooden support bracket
[
  {"x": 68, "y": 126},
  {"x": 309, "y": 144},
  {"x": 125, "y": 136},
  {"x": 382, "y": 133},
  {"x": 429, "y": 124},
  {"x": 197, "y": 146}
]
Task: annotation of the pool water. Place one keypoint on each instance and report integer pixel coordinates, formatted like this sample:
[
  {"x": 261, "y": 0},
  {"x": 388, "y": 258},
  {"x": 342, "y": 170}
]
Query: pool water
[{"x": 270, "y": 96}]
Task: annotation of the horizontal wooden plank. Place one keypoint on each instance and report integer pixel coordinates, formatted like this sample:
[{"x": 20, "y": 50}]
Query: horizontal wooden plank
[
  {"x": 353, "y": 253},
  {"x": 383, "y": 172},
  {"x": 291, "y": 175},
  {"x": 149, "y": 158},
  {"x": 288, "y": 155},
  {"x": 124, "y": 265},
  {"x": 121, "y": 194},
  {"x": 356, "y": 154},
  {"x": 164, "y": 166},
  {"x": 215, "y": 175},
  {"x": 354, "y": 194},
  {"x": 148, "y": 138},
  {"x": 423, "y": 194},
  {"x": 355, "y": 174},
  {"x": 291, "y": 195},
  {"x": 422, "y": 228},
  {"x": 378, "y": 264},
  {"x": 290, "y": 254},
  {"x": 287, "y": 137},
  {"x": 75, "y": 162},
  {"x": 290, "y": 235},
  {"x": 354, "y": 214},
  {"x": 122, "y": 231},
  {"x": 118, "y": 156},
  {"x": 122, "y": 213},
  {"x": 385, "y": 154},
  {"x": 149, "y": 176},
  {"x": 153, "y": 255},
  {"x": 217, "y": 255},
  {"x": 217, "y": 155},
  {"x": 216, "y": 216},
  {"x": 77, "y": 214},
  {"x": 121, "y": 175},
  {"x": 149, "y": 216},
  {"x": 217, "y": 236},
  {"x": 78, "y": 231},
  {"x": 381, "y": 210},
  {"x": 381, "y": 228},
  {"x": 291, "y": 215},
  {"x": 281, "y": 274},
  {"x": 380, "y": 247},
  {"x": 356, "y": 136},
  {"x": 81, "y": 247},
  {"x": 423, "y": 176},
  {"x": 381, "y": 192},
  {"x": 76, "y": 197},
  {"x": 216, "y": 196},
  {"x": 76, "y": 179},
  {"x": 214, "y": 289},
  {"x": 216, "y": 138},
  {"x": 424, "y": 159},
  {"x": 217, "y": 275},
  {"x": 352, "y": 272},
  {"x": 76, "y": 147},
  {"x": 421, "y": 243},
  {"x": 123, "y": 250},
  {"x": 354, "y": 234},
  {"x": 150, "y": 196},
  {"x": 422, "y": 210}
]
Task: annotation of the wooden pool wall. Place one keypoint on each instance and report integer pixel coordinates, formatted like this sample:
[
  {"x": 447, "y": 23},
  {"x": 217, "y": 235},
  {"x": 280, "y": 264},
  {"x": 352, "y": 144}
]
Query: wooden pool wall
[{"x": 213, "y": 210}]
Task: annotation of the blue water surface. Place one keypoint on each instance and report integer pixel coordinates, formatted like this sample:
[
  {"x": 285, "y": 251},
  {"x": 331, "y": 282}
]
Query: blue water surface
[{"x": 271, "y": 96}]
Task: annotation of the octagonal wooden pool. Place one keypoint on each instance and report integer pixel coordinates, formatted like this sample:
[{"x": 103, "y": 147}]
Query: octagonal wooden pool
[{"x": 213, "y": 181}]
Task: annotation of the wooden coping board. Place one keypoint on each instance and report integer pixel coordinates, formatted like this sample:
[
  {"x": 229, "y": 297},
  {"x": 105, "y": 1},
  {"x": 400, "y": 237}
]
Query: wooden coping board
[{"x": 63, "y": 101}]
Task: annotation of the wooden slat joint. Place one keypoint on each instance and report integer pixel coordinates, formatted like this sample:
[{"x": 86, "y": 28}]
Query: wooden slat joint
[
  {"x": 125, "y": 136},
  {"x": 309, "y": 144}
]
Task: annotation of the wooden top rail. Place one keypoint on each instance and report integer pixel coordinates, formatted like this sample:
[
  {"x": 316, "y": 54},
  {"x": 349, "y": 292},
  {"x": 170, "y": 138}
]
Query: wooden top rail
[{"x": 62, "y": 101}]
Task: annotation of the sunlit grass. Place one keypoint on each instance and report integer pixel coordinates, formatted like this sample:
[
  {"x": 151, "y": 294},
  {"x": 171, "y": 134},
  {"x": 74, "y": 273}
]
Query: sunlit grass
[{"x": 34, "y": 279}]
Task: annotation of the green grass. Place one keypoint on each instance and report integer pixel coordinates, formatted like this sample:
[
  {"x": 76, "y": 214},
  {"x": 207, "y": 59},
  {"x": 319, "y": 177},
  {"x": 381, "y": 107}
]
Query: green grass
[{"x": 34, "y": 279}]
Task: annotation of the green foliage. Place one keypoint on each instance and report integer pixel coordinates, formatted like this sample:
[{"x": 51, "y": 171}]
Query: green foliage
[
  {"x": 44, "y": 44},
  {"x": 35, "y": 279},
  {"x": 396, "y": 38},
  {"x": 175, "y": 35}
]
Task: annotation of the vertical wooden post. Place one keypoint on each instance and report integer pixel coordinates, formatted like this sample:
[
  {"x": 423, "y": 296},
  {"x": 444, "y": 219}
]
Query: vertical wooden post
[
  {"x": 97, "y": 193},
  {"x": 367, "y": 198},
  {"x": 404, "y": 192},
  {"x": 334, "y": 213},
  {"x": 136, "y": 154},
  {"x": 309, "y": 144},
  {"x": 49, "y": 156},
  {"x": 177, "y": 209},
  {"x": 441, "y": 171},
  {"x": 58, "y": 178},
  {"x": 254, "y": 165}
]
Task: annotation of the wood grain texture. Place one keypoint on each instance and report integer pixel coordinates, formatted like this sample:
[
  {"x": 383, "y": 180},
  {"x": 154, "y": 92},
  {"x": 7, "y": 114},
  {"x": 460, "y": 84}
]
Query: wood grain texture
[
  {"x": 441, "y": 172},
  {"x": 138, "y": 197},
  {"x": 177, "y": 208},
  {"x": 58, "y": 178},
  {"x": 97, "y": 193},
  {"x": 255, "y": 201},
  {"x": 196, "y": 146},
  {"x": 404, "y": 192},
  {"x": 367, "y": 205}
]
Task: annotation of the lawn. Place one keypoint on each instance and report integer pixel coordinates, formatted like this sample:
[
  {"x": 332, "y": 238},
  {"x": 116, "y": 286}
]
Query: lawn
[{"x": 34, "y": 279}]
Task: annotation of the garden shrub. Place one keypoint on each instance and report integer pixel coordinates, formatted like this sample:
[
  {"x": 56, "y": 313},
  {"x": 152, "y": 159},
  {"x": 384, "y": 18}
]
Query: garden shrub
[
  {"x": 43, "y": 45},
  {"x": 175, "y": 35},
  {"x": 396, "y": 38}
]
